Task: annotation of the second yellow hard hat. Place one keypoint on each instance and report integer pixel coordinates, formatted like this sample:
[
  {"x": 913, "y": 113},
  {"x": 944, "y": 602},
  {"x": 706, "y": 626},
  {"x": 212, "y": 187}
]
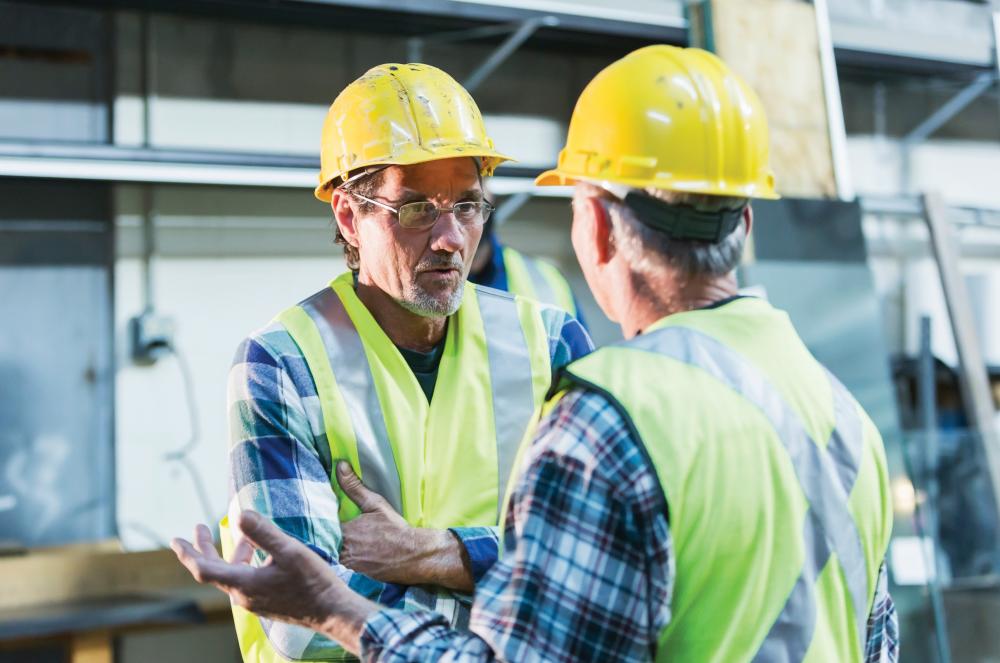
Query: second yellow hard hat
[{"x": 671, "y": 118}]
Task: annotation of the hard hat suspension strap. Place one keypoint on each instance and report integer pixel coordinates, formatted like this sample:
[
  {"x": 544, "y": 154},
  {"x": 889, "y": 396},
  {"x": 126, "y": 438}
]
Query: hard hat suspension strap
[{"x": 681, "y": 221}]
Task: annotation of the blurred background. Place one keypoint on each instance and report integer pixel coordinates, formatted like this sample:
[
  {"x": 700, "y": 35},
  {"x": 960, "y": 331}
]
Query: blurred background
[{"x": 156, "y": 165}]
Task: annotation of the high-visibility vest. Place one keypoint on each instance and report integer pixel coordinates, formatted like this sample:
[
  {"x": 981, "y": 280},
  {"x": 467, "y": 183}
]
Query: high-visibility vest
[
  {"x": 538, "y": 280},
  {"x": 774, "y": 477},
  {"x": 439, "y": 464}
]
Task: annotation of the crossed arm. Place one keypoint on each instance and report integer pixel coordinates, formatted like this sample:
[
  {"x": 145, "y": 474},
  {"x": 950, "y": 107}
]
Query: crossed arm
[
  {"x": 380, "y": 544},
  {"x": 278, "y": 469}
]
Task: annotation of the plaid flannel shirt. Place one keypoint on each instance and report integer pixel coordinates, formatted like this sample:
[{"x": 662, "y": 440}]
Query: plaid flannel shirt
[
  {"x": 280, "y": 466},
  {"x": 588, "y": 567}
]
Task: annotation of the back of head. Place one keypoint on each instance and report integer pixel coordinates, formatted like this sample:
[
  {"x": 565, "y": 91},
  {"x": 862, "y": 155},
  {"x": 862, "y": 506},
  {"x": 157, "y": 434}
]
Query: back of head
[{"x": 678, "y": 144}]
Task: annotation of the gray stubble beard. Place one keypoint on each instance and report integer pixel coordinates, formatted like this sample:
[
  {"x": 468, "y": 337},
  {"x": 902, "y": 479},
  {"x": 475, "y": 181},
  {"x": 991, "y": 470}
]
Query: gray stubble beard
[{"x": 422, "y": 303}]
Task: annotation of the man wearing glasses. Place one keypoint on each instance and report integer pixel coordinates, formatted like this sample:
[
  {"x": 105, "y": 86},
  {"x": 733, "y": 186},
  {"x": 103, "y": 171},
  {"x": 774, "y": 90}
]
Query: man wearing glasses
[{"x": 419, "y": 382}]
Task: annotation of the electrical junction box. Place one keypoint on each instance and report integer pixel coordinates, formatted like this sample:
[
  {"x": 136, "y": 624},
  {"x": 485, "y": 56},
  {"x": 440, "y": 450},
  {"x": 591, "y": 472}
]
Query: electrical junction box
[{"x": 152, "y": 337}]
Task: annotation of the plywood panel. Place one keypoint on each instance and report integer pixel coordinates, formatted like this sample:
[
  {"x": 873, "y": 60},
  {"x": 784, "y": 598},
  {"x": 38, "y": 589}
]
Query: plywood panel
[
  {"x": 74, "y": 574},
  {"x": 773, "y": 44}
]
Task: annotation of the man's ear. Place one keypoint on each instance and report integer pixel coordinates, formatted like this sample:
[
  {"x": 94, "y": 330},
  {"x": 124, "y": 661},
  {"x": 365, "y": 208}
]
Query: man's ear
[
  {"x": 748, "y": 218},
  {"x": 600, "y": 227},
  {"x": 344, "y": 215}
]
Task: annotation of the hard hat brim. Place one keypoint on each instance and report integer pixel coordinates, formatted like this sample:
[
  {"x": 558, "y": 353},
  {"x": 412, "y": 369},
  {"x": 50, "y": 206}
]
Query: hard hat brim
[
  {"x": 556, "y": 177},
  {"x": 490, "y": 160}
]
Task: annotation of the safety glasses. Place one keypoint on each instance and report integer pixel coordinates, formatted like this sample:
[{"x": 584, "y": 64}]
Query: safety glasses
[{"x": 421, "y": 215}]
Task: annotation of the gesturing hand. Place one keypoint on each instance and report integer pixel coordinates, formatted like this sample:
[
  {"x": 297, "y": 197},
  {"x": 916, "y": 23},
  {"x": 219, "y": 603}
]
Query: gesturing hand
[
  {"x": 294, "y": 584},
  {"x": 382, "y": 545}
]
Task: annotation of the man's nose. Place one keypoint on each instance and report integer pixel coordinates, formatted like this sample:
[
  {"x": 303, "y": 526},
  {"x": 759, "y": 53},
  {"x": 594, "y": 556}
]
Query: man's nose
[{"x": 447, "y": 234}]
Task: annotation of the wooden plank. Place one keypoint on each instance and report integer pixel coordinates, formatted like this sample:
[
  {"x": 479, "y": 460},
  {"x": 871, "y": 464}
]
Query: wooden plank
[
  {"x": 774, "y": 45},
  {"x": 94, "y": 647},
  {"x": 73, "y": 574}
]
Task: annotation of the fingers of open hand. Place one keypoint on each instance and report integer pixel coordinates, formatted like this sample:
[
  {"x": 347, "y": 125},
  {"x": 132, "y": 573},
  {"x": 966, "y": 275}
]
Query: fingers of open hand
[
  {"x": 204, "y": 542},
  {"x": 242, "y": 552},
  {"x": 203, "y": 568}
]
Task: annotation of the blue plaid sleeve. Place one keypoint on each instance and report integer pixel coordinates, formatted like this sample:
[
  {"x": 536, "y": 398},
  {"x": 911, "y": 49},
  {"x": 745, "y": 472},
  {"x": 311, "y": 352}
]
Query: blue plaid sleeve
[
  {"x": 882, "y": 643},
  {"x": 481, "y": 545},
  {"x": 587, "y": 567},
  {"x": 277, "y": 468},
  {"x": 568, "y": 339}
]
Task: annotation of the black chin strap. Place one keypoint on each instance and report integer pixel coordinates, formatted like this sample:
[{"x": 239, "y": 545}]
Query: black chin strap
[{"x": 683, "y": 221}]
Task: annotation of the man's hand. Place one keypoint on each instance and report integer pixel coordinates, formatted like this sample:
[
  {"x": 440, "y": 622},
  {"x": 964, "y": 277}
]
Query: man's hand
[
  {"x": 380, "y": 544},
  {"x": 293, "y": 585}
]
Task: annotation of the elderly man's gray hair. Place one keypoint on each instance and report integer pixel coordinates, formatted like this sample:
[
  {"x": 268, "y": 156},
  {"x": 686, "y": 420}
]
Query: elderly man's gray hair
[{"x": 649, "y": 250}]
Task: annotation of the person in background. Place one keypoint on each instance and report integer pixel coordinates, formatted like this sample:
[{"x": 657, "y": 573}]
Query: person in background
[{"x": 501, "y": 267}]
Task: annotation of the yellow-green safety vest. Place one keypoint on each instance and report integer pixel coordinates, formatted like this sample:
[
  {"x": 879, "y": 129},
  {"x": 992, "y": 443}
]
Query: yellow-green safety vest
[
  {"x": 439, "y": 464},
  {"x": 774, "y": 478},
  {"x": 538, "y": 280}
]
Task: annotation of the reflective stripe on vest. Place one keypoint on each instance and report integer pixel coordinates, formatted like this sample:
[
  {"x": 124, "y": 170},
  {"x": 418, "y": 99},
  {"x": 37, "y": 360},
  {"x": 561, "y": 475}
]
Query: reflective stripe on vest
[
  {"x": 825, "y": 476},
  {"x": 345, "y": 351},
  {"x": 537, "y": 280},
  {"x": 510, "y": 364}
]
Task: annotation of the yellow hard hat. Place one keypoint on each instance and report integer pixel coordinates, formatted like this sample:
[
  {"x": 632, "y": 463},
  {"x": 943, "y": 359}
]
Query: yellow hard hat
[
  {"x": 671, "y": 118},
  {"x": 401, "y": 114}
]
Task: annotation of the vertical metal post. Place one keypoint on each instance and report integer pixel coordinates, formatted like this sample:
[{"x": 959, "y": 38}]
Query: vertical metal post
[
  {"x": 145, "y": 75},
  {"x": 148, "y": 247},
  {"x": 834, "y": 106},
  {"x": 414, "y": 49},
  {"x": 879, "y": 123},
  {"x": 996, "y": 43},
  {"x": 927, "y": 388},
  {"x": 973, "y": 378},
  {"x": 701, "y": 31}
]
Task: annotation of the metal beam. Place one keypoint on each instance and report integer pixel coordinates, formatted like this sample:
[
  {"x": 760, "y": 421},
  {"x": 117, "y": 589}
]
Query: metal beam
[
  {"x": 506, "y": 49},
  {"x": 834, "y": 107},
  {"x": 509, "y": 207},
  {"x": 111, "y": 163},
  {"x": 415, "y": 45},
  {"x": 982, "y": 82},
  {"x": 951, "y": 108},
  {"x": 972, "y": 374},
  {"x": 519, "y": 32}
]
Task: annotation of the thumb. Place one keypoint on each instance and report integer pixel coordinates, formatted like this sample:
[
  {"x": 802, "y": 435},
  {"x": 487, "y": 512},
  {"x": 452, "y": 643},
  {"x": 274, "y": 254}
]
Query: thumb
[
  {"x": 366, "y": 500},
  {"x": 262, "y": 533}
]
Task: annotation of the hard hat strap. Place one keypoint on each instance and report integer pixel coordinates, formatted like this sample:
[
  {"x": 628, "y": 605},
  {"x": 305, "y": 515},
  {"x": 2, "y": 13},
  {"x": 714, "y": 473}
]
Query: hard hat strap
[{"x": 681, "y": 221}]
